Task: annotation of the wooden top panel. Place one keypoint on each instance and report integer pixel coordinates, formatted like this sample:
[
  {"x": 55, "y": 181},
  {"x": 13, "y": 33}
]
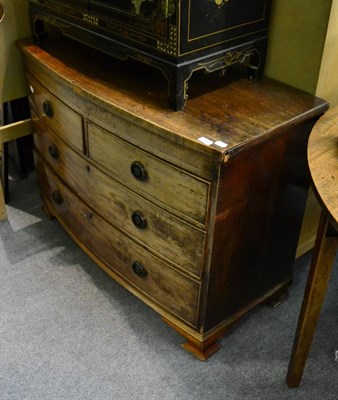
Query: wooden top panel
[
  {"x": 323, "y": 161},
  {"x": 236, "y": 111}
]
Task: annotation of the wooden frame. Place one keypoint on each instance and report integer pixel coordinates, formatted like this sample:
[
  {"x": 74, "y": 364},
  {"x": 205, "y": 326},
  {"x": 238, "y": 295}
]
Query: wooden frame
[{"x": 7, "y": 133}]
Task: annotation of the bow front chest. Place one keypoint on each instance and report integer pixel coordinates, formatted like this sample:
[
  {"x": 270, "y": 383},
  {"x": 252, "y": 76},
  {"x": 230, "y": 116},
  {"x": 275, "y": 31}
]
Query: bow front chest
[{"x": 195, "y": 212}]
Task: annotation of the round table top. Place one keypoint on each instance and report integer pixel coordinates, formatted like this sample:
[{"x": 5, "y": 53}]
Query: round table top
[{"x": 323, "y": 161}]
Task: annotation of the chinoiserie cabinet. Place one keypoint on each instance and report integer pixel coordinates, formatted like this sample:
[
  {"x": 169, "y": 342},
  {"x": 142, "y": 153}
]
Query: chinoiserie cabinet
[
  {"x": 196, "y": 212},
  {"x": 177, "y": 37}
]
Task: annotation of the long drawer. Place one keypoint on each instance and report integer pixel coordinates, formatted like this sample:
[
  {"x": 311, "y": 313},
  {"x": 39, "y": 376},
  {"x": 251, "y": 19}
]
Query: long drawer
[
  {"x": 173, "y": 187},
  {"x": 61, "y": 118},
  {"x": 162, "y": 232},
  {"x": 141, "y": 270},
  {"x": 155, "y": 178}
]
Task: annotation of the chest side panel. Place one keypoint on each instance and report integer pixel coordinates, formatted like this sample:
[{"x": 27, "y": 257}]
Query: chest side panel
[{"x": 260, "y": 208}]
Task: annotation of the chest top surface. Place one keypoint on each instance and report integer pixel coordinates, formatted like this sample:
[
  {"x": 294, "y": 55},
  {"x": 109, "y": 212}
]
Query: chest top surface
[{"x": 240, "y": 112}]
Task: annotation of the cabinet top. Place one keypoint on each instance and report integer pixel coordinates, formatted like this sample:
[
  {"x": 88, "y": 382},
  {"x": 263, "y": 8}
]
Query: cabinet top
[{"x": 233, "y": 110}]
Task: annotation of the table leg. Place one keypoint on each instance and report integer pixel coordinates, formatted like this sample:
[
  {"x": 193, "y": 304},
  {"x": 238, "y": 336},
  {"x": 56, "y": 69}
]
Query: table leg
[{"x": 321, "y": 265}]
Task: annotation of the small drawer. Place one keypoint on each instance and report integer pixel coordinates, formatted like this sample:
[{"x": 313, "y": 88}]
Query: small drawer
[
  {"x": 151, "y": 176},
  {"x": 66, "y": 122},
  {"x": 141, "y": 271},
  {"x": 163, "y": 233}
]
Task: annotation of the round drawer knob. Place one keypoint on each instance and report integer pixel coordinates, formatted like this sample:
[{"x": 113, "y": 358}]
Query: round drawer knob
[
  {"x": 139, "y": 269},
  {"x": 139, "y": 220},
  {"x": 53, "y": 152},
  {"x": 139, "y": 171},
  {"x": 57, "y": 198},
  {"x": 47, "y": 108}
]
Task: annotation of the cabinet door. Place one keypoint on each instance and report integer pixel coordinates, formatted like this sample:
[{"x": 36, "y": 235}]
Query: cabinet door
[
  {"x": 149, "y": 17},
  {"x": 143, "y": 8},
  {"x": 211, "y": 22}
]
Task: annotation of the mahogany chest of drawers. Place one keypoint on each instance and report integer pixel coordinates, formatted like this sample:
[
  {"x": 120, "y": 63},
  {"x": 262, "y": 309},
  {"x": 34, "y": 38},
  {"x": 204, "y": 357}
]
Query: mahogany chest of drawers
[
  {"x": 195, "y": 212},
  {"x": 177, "y": 37}
]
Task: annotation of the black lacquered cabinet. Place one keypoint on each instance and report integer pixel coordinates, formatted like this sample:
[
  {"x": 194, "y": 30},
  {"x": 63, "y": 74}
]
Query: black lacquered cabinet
[{"x": 176, "y": 36}]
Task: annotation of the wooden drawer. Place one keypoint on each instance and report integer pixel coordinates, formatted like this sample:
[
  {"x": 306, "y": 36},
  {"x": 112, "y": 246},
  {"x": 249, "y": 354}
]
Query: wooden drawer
[
  {"x": 93, "y": 104},
  {"x": 164, "y": 234},
  {"x": 67, "y": 123},
  {"x": 156, "y": 179},
  {"x": 152, "y": 277}
]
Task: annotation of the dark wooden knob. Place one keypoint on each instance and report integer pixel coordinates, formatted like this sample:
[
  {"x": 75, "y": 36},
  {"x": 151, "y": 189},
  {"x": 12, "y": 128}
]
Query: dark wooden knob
[
  {"x": 53, "y": 152},
  {"x": 57, "y": 198},
  {"x": 139, "y": 171},
  {"x": 139, "y": 220},
  {"x": 139, "y": 269},
  {"x": 47, "y": 108}
]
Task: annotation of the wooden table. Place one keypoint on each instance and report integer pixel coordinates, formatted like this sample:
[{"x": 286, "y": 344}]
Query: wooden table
[{"x": 323, "y": 164}]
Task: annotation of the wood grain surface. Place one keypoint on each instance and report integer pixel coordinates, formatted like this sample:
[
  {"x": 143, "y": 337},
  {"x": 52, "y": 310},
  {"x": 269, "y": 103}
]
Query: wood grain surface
[
  {"x": 235, "y": 111},
  {"x": 223, "y": 222},
  {"x": 323, "y": 161}
]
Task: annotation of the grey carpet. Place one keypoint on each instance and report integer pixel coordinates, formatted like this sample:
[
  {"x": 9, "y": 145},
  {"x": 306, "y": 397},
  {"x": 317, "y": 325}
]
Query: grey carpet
[{"x": 69, "y": 332}]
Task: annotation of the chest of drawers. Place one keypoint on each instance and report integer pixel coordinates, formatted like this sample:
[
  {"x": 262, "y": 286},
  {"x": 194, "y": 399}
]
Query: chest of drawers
[{"x": 197, "y": 212}]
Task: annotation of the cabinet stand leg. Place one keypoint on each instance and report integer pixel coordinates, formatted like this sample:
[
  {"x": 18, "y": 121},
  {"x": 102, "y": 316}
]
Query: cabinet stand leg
[{"x": 178, "y": 86}]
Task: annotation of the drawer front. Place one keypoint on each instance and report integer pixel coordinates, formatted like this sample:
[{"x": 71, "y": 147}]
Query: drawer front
[
  {"x": 63, "y": 120},
  {"x": 151, "y": 277},
  {"x": 172, "y": 187},
  {"x": 165, "y": 234},
  {"x": 158, "y": 138}
]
